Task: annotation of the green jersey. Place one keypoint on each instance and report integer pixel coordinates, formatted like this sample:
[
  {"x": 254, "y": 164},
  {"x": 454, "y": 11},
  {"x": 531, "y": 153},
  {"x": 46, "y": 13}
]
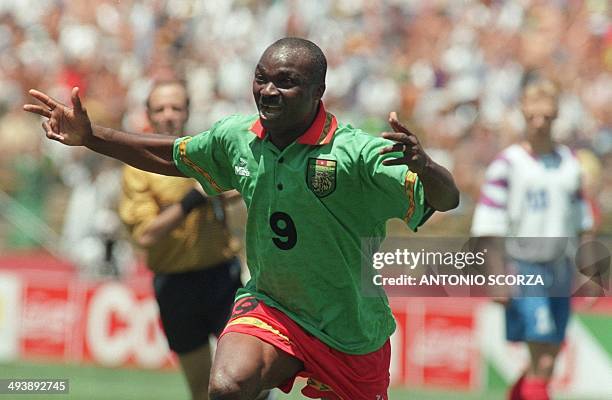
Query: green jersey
[{"x": 309, "y": 207}]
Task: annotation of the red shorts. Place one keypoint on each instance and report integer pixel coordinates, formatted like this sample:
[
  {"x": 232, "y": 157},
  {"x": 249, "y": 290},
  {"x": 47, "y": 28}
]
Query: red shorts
[{"x": 331, "y": 374}]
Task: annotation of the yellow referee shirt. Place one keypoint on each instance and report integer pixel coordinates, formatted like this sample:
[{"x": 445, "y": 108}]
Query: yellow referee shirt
[{"x": 201, "y": 241}]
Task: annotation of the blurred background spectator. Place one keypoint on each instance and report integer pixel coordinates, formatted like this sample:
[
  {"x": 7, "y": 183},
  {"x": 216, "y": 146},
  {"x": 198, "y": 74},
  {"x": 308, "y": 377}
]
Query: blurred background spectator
[{"x": 452, "y": 69}]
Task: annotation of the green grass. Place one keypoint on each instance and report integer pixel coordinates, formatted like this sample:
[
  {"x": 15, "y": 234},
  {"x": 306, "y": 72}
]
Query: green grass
[{"x": 95, "y": 383}]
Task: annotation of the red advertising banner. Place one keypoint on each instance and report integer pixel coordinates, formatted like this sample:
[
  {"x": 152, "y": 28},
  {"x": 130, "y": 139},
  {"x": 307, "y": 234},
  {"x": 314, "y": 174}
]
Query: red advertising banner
[
  {"x": 47, "y": 319},
  {"x": 121, "y": 327},
  {"x": 65, "y": 318},
  {"x": 448, "y": 353},
  {"x": 439, "y": 346}
]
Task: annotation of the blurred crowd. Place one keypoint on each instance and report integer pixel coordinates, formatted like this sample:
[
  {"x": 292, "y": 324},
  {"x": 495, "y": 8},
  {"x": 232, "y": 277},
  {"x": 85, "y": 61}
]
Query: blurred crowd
[{"x": 452, "y": 69}]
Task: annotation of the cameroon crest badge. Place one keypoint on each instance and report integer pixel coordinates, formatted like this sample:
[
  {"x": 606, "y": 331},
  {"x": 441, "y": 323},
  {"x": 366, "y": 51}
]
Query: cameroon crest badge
[{"x": 321, "y": 176}]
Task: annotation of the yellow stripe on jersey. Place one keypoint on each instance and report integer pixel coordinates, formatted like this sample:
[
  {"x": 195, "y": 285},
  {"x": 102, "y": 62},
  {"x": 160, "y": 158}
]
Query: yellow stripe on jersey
[
  {"x": 192, "y": 165},
  {"x": 320, "y": 386},
  {"x": 409, "y": 186}
]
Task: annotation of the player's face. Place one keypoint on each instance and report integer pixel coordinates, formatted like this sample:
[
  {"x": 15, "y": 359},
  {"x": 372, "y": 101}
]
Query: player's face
[
  {"x": 284, "y": 93},
  {"x": 540, "y": 112},
  {"x": 167, "y": 110}
]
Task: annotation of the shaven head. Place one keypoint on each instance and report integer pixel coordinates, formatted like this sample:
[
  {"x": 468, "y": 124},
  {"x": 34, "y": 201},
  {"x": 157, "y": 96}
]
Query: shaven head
[
  {"x": 168, "y": 82},
  {"x": 542, "y": 88},
  {"x": 540, "y": 105},
  {"x": 293, "y": 47},
  {"x": 168, "y": 107}
]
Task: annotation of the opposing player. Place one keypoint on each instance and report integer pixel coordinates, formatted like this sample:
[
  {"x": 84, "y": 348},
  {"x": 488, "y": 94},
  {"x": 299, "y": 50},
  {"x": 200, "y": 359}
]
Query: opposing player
[
  {"x": 533, "y": 191},
  {"x": 187, "y": 243},
  {"x": 313, "y": 188}
]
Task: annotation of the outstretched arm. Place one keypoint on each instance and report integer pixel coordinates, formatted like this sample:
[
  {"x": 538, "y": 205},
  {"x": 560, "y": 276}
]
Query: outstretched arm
[
  {"x": 438, "y": 184},
  {"x": 72, "y": 127}
]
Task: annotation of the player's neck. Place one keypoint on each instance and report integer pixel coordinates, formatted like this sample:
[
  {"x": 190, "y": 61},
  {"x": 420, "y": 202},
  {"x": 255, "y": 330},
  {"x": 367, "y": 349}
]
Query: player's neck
[
  {"x": 539, "y": 146},
  {"x": 284, "y": 137}
]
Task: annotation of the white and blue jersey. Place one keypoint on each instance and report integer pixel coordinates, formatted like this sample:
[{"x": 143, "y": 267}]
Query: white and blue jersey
[
  {"x": 535, "y": 202},
  {"x": 532, "y": 196}
]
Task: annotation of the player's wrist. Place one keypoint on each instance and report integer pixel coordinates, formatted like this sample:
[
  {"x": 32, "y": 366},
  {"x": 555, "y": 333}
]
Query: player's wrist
[
  {"x": 192, "y": 200},
  {"x": 94, "y": 137},
  {"x": 424, "y": 167}
]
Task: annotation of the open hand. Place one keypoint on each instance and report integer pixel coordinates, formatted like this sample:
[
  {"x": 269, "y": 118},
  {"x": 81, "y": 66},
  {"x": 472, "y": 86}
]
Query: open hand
[
  {"x": 70, "y": 126},
  {"x": 407, "y": 142}
]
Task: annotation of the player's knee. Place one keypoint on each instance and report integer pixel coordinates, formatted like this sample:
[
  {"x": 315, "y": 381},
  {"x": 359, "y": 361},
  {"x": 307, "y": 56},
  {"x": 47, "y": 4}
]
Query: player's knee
[
  {"x": 223, "y": 391},
  {"x": 545, "y": 364},
  {"x": 232, "y": 385}
]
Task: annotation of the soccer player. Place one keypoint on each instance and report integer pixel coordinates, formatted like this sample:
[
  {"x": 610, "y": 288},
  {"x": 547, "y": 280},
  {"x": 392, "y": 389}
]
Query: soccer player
[
  {"x": 532, "y": 190},
  {"x": 313, "y": 189},
  {"x": 187, "y": 243}
]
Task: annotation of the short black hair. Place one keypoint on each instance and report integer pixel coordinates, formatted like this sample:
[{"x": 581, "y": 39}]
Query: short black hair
[
  {"x": 171, "y": 81},
  {"x": 306, "y": 48}
]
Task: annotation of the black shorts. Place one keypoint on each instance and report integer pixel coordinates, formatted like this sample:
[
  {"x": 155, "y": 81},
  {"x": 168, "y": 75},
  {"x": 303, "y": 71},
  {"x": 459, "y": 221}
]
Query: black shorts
[{"x": 195, "y": 304}]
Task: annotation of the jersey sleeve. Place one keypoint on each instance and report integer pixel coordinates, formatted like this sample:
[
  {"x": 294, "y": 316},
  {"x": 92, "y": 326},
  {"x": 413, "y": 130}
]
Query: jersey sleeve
[
  {"x": 583, "y": 213},
  {"x": 204, "y": 158},
  {"x": 137, "y": 206},
  {"x": 491, "y": 216},
  {"x": 392, "y": 191}
]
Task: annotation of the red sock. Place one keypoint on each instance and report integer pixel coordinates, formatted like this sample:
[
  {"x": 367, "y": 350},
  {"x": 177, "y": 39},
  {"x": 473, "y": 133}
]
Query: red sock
[
  {"x": 534, "y": 389},
  {"x": 515, "y": 391}
]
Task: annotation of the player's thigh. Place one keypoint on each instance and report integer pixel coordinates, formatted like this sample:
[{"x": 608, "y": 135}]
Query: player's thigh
[{"x": 249, "y": 362}]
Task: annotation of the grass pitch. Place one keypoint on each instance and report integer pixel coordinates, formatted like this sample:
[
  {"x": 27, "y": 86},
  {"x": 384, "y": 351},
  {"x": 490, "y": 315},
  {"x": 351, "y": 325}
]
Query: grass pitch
[{"x": 89, "y": 382}]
